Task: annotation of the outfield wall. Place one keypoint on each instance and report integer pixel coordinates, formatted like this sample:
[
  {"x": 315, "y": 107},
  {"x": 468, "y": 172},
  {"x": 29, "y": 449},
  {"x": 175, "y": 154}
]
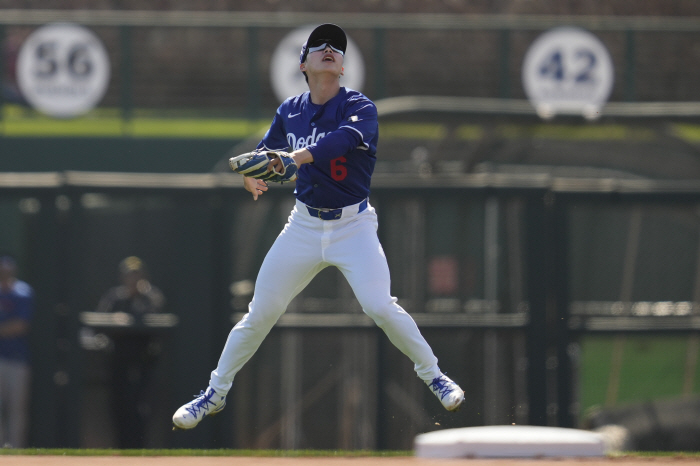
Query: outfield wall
[{"x": 502, "y": 274}]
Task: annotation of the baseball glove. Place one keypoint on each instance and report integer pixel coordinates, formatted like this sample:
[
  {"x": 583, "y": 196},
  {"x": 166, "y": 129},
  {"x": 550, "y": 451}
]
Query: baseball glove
[{"x": 254, "y": 164}]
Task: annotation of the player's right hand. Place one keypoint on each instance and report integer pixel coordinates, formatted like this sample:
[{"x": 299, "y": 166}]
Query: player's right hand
[{"x": 254, "y": 186}]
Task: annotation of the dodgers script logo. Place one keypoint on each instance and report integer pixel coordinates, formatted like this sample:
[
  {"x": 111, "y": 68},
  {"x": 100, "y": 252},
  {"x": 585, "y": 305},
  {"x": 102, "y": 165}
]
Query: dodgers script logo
[{"x": 302, "y": 142}]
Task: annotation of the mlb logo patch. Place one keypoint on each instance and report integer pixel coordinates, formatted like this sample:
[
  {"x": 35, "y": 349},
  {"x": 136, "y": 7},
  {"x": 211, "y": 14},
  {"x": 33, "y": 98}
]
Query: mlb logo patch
[{"x": 353, "y": 118}]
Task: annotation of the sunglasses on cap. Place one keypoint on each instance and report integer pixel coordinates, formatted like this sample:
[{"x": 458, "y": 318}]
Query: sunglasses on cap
[{"x": 322, "y": 46}]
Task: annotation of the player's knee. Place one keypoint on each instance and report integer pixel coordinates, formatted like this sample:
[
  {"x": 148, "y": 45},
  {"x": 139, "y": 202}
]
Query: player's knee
[
  {"x": 381, "y": 312},
  {"x": 265, "y": 312}
]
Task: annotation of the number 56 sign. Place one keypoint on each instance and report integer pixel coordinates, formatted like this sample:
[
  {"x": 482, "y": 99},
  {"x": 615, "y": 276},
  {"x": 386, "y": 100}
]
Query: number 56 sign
[
  {"x": 567, "y": 71},
  {"x": 63, "y": 70}
]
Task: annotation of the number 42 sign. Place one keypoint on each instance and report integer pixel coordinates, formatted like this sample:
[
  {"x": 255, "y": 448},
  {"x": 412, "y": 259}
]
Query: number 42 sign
[{"x": 568, "y": 71}]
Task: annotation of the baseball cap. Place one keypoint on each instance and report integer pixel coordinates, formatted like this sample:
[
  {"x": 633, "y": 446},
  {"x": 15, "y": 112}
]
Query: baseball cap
[
  {"x": 131, "y": 264},
  {"x": 331, "y": 34}
]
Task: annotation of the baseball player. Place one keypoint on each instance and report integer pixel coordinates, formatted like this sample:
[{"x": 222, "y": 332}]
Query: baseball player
[
  {"x": 16, "y": 310},
  {"x": 332, "y": 133}
]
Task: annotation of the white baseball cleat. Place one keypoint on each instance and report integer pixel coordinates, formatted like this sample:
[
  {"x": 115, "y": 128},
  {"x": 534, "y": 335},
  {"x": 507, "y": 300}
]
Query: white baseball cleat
[
  {"x": 448, "y": 392},
  {"x": 207, "y": 403}
]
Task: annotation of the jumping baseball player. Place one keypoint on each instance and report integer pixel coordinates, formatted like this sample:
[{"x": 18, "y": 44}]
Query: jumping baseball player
[{"x": 332, "y": 133}]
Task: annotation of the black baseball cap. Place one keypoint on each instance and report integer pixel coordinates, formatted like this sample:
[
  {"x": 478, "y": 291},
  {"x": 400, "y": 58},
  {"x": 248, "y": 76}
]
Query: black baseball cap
[{"x": 328, "y": 33}]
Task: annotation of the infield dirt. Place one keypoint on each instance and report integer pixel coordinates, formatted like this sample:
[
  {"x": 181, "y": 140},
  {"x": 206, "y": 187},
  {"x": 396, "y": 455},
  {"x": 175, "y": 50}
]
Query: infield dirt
[{"x": 11, "y": 460}]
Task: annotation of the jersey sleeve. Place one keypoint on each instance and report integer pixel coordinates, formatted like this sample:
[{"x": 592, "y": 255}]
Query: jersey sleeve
[
  {"x": 25, "y": 301},
  {"x": 357, "y": 130},
  {"x": 275, "y": 138}
]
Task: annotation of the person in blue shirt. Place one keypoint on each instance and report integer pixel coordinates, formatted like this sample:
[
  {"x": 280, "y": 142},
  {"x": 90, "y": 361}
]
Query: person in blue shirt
[
  {"x": 331, "y": 132},
  {"x": 16, "y": 308}
]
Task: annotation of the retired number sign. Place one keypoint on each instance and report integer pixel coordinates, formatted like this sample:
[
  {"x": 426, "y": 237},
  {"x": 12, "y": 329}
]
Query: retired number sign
[
  {"x": 567, "y": 71},
  {"x": 63, "y": 70}
]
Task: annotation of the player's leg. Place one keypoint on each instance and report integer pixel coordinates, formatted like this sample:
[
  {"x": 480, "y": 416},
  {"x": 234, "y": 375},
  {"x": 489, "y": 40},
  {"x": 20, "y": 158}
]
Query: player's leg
[
  {"x": 17, "y": 403},
  {"x": 277, "y": 284},
  {"x": 290, "y": 264},
  {"x": 4, "y": 399},
  {"x": 360, "y": 257}
]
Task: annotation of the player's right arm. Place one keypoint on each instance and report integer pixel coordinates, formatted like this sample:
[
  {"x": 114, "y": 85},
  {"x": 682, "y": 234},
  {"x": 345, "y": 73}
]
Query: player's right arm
[
  {"x": 357, "y": 131},
  {"x": 255, "y": 186},
  {"x": 275, "y": 139}
]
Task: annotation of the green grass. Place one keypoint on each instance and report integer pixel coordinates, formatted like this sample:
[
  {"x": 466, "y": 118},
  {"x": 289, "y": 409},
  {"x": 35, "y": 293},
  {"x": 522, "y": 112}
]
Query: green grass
[
  {"x": 687, "y": 132},
  {"x": 427, "y": 131},
  {"x": 138, "y": 127},
  {"x": 19, "y": 121},
  {"x": 199, "y": 452},
  {"x": 469, "y": 132},
  {"x": 653, "y": 367},
  {"x": 602, "y": 132},
  {"x": 596, "y": 356}
]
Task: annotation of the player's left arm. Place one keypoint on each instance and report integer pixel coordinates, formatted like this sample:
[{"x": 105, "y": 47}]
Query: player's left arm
[
  {"x": 300, "y": 157},
  {"x": 356, "y": 130},
  {"x": 18, "y": 326}
]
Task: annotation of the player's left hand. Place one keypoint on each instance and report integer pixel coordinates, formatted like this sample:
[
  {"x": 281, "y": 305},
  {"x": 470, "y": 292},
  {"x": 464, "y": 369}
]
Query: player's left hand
[{"x": 275, "y": 165}]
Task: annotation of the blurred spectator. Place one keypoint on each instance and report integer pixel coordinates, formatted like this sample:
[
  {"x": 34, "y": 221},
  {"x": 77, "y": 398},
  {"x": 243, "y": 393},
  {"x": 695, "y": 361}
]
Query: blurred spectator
[
  {"x": 136, "y": 350},
  {"x": 16, "y": 307}
]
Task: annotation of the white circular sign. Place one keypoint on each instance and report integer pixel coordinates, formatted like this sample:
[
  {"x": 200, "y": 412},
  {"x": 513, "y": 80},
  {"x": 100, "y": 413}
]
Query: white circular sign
[
  {"x": 288, "y": 81},
  {"x": 568, "y": 70},
  {"x": 63, "y": 70}
]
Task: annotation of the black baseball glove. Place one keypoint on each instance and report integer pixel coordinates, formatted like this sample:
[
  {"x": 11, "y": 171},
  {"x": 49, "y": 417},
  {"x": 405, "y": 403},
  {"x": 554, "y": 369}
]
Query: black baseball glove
[{"x": 254, "y": 164}]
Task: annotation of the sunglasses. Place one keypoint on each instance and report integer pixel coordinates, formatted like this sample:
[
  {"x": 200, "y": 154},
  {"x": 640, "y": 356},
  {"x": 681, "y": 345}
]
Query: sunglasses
[{"x": 323, "y": 46}]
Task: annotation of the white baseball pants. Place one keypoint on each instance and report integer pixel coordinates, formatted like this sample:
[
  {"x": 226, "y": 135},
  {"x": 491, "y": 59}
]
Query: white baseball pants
[
  {"x": 14, "y": 402},
  {"x": 306, "y": 246}
]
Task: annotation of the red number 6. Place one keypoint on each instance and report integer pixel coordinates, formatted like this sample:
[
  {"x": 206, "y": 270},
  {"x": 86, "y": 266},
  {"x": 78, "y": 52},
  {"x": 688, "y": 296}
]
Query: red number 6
[{"x": 338, "y": 171}]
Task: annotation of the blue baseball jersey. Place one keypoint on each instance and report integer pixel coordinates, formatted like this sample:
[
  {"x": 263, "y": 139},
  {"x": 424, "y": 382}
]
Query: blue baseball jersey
[
  {"x": 341, "y": 135},
  {"x": 16, "y": 303}
]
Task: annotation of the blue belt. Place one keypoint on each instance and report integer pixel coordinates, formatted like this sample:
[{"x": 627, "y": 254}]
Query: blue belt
[{"x": 333, "y": 214}]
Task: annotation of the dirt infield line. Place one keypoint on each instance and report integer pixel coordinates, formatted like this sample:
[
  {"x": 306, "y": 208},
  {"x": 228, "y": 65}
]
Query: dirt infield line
[{"x": 40, "y": 460}]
